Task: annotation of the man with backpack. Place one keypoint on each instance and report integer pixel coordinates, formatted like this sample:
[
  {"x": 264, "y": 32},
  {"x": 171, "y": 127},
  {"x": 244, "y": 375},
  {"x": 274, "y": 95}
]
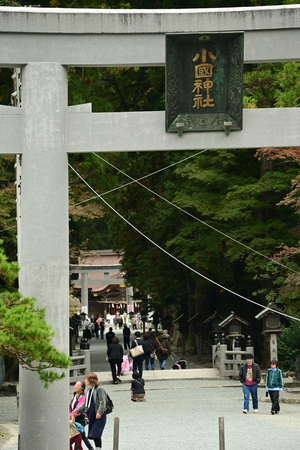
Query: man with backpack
[{"x": 163, "y": 348}]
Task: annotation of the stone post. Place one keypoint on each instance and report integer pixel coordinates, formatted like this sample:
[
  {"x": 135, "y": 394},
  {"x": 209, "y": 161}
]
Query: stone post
[
  {"x": 214, "y": 348},
  {"x": 87, "y": 359},
  {"x": 273, "y": 346},
  {"x": 44, "y": 251},
  {"x": 223, "y": 350},
  {"x": 84, "y": 293}
]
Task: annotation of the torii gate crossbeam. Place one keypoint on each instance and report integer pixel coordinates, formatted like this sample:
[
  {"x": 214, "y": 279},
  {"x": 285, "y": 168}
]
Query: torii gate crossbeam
[{"x": 44, "y": 42}]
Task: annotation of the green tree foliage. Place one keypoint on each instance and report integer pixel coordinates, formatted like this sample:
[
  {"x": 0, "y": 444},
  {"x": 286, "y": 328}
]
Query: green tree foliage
[
  {"x": 273, "y": 85},
  {"x": 24, "y": 332},
  {"x": 289, "y": 345}
]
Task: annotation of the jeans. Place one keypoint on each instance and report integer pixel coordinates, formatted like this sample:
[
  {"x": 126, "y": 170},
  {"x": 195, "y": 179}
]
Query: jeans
[
  {"x": 247, "y": 390},
  {"x": 147, "y": 358},
  {"x": 162, "y": 363}
]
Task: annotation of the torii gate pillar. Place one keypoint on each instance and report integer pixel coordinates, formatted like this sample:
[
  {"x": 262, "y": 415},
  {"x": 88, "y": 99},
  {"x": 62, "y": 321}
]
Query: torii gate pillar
[{"x": 44, "y": 237}]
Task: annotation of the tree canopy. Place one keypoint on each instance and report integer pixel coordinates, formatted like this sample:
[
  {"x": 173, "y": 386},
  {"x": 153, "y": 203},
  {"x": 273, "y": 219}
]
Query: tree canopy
[
  {"x": 248, "y": 195},
  {"x": 24, "y": 332}
]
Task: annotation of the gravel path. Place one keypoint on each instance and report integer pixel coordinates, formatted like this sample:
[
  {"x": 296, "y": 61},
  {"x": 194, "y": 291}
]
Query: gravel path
[{"x": 184, "y": 414}]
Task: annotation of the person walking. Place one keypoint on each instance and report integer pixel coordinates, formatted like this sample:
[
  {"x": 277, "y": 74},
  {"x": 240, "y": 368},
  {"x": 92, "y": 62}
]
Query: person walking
[
  {"x": 250, "y": 377},
  {"x": 137, "y": 362},
  {"x": 86, "y": 334},
  {"x": 95, "y": 403},
  {"x": 150, "y": 350},
  {"x": 133, "y": 323},
  {"x": 120, "y": 321},
  {"x": 115, "y": 321},
  {"x": 115, "y": 358},
  {"x": 126, "y": 335},
  {"x": 163, "y": 348},
  {"x": 109, "y": 336},
  {"x": 102, "y": 327},
  {"x": 274, "y": 384},
  {"x": 97, "y": 329},
  {"x": 75, "y": 435},
  {"x": 78, "y": 398}
]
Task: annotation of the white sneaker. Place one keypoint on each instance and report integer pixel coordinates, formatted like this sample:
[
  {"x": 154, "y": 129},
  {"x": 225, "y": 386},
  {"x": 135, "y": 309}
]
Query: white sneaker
[
  {"x": 255, "y": 410},
  {"x": 245, "y": 411}
]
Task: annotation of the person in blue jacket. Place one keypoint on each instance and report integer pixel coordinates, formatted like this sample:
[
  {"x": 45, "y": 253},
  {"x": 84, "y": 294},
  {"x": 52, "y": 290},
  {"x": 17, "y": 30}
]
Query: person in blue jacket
[{"x": 274, "y": 384}]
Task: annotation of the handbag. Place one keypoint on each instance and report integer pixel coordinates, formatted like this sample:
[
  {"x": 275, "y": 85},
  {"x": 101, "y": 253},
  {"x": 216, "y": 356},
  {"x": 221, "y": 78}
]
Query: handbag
[
  {"x": 163, "y": 351},
  {"x": 109, "y": 404},
  {"x": 137, "y": 350},
  {"x": 153, "y": 354}
]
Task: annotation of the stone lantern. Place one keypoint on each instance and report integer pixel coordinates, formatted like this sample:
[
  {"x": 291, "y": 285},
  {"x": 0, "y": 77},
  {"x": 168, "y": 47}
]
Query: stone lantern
[
  {"x": 233, "y": 327},
  {"x": 196, "y": 324},
  {"x": 212, "y": 323},
  {"x": 271, "y": 326},
  {"x": 183, "y": 328}
]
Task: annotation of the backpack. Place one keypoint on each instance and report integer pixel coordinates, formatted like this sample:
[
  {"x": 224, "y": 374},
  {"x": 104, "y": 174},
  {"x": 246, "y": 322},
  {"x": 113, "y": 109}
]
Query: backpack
[
  {"x": 109, "y": 404},
  {"x": 79, "y": 427}
]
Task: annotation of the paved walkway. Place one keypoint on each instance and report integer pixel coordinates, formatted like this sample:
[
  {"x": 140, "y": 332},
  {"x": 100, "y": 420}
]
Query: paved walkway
[
  {"x": 195, "y": 369},
  {"x": 183, "y": 413}
]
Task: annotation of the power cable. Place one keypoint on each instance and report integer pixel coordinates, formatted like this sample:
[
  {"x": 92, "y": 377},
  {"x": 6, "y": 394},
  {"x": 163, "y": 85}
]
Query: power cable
[
  {"x": 174, "y": 257},
  {"x": 15, "y": 226},
  {"x": 194, "y": 217},
  {"x": 142, "y": 178}
]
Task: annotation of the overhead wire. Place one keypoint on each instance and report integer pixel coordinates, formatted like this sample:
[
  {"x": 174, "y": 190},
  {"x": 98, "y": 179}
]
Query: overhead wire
[
  {"x": 127, "y": 184},
  {"x": 174, "y": 257},
  {"x": 143, "y": 177},
  {"x": 194, "y": 217},
  {"x": 10, "y": 228}
]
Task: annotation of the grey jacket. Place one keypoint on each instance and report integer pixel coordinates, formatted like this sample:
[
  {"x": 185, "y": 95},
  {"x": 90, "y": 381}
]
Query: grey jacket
[{"x": 99, "y": 396}]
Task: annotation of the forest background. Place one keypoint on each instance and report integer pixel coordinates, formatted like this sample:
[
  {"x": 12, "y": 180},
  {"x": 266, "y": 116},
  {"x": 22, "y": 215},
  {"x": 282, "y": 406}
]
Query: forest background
[{"x": 250, "y": 195}]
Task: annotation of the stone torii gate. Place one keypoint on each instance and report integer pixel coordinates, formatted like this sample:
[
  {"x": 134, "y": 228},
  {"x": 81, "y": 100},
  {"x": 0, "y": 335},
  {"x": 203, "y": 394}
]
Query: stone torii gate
[{"x": 44, "y": 42}]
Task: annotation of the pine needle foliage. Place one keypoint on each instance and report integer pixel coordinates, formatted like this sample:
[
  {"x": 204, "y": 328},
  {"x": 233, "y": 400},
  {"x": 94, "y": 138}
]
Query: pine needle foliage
[{"x": 24, "y": 332}]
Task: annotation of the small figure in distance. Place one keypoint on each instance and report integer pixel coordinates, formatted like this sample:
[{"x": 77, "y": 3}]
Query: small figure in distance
[
  {"x": 137, "y": 361},
  {"x": 87, "y": 333},
  {"x": 109, "y": 336},
  {"x": 274, "y": 384},
  {"x": 137, "y": 388},
  {"x": 115, "y": 358}
]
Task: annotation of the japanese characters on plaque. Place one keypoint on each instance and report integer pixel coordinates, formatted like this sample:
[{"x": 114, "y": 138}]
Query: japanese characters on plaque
[{"x": 203, "y": 80}]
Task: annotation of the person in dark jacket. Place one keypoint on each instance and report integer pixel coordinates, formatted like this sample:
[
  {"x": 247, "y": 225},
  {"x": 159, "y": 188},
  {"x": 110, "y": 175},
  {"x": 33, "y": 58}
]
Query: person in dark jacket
[
  {"x": 96, "y": 329},
  {"x": 102, "y": 327},
  {"x": 87, "y": 333},
  {"x": 137, "y": 388},
  {"x": 162, "y": 342},
  {"x": 115, "y": 358},
  {"x": 126, "y": 335},
  {"x": 250, "y": 377},
  {"x": 150, "y": 349},
  {"x": 137, "y": 362},
  {"x": 109, "y": 336},
  {"x": 274, "y": 384}
]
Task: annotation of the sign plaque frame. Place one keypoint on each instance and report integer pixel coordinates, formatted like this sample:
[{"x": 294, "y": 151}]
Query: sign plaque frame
[{"x": 204, "y": 82}]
